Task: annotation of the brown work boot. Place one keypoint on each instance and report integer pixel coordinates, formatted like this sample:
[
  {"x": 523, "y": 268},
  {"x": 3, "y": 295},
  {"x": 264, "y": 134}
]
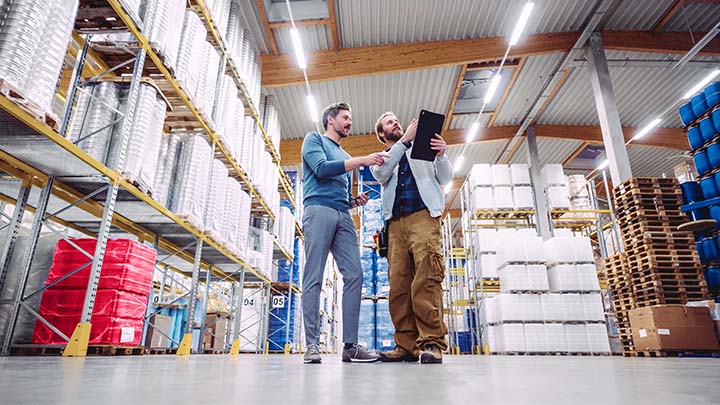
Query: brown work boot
[
  {"x": 397, "y": 355},
  {"x": 431, "y": 354}
]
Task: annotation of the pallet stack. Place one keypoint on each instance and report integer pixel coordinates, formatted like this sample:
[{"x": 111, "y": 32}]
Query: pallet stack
[{"x": 659, "y": 264}]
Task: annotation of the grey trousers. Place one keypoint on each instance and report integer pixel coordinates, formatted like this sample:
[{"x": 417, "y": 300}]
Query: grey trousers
[{"x": 330, "y": 230}]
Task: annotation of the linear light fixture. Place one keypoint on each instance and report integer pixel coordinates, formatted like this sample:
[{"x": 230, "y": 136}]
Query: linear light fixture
[
  {"x": 522, "y": 22},
  {"x": 474, "y": 128},
  {"x": 603, "y": 165},
  {"x": 647, "y": 128},
  {"x": 493, "y": 87},
  {"x": 458, "y": 163},
  {"x": 448, "y": 188},
  {"x": 299, "y": 52},
  {"x": 313, "y": 108}
]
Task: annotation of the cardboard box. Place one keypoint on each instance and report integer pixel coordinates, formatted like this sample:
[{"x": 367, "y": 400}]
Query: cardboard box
[
  {"x": 215, "y": 327},
  {"x": 673, "y": 327},
  {"x": 154, "y": 338}
]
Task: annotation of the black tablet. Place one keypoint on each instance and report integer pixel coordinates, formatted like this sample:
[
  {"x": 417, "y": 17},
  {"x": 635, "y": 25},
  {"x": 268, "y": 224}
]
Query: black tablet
[{"x": 429, "y": 124}]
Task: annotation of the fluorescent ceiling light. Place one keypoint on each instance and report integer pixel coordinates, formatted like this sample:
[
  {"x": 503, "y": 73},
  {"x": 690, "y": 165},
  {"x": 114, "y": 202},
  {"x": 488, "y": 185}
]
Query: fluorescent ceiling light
[
  {"x": 702, "y": 84},
  {"x": 520, "y": 27},
  {"x": 459, "y": 162},
  {"x": 313, "y": 109},
  {"x": 493, "y": 87},
  {"x": 603, "y": 165},
  {"x": 299, "y": 53},
  {"x": 448, "y": 188},
  {"x": 649, "y": 127},
  {"x": 473, "y": 132}
]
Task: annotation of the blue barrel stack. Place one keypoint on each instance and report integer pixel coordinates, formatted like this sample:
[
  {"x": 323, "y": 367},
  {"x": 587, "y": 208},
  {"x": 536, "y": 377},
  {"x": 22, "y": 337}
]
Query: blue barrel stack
[{"x": 701, "y": 118}]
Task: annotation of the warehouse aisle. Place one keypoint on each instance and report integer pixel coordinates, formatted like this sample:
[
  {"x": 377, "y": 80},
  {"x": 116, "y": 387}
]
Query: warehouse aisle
[{"x": 276, "y": 379}]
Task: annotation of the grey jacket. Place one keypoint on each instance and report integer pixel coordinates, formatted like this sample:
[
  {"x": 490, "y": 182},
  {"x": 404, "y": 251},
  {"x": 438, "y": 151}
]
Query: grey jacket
[{"x": 429, "y": 176}]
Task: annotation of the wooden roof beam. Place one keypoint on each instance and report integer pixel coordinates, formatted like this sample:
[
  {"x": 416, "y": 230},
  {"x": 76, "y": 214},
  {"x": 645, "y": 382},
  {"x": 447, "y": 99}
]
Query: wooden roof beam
[
  {"x": 360, "y": 145},
  {"x": 333, "y": 25},
  {"x": 266, "y": 26},
  {"x": 456, "y": 92},
  {"x": 382, "y": 59}
]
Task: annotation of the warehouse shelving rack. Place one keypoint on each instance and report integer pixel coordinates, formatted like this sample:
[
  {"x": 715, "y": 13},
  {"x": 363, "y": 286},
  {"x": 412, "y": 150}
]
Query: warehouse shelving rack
[
  {"x": 100, "y": 197},
  {"x": 583, "y": 222}
]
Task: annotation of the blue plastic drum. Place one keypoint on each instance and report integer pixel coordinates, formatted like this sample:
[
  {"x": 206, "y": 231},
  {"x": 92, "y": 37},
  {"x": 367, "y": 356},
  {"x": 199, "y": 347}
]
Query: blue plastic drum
[
  {"x": 699, "y": 105},
  {"x": 715, "y": 212},
  {"x": 712, "y": 277},
  {"x": 712, "y": 94},
  {"x": 713, "y": 154},
  {"x": 709, "y": 188},
  {"x": 716, "y": 119},
  {"x": 701, "y": 252},
  {"x": 695, "y": 138},
  {"x": 707, "y": 129},
  {"x": 710, "y": 248},
  {"x": 702, "y": 164},
  {"x": 690, "y": 192},
  {"x": 687, "y": 115}
]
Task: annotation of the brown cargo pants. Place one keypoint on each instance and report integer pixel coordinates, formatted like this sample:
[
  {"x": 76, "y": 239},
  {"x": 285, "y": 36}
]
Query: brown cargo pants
[{"x": 417, "y": 270}]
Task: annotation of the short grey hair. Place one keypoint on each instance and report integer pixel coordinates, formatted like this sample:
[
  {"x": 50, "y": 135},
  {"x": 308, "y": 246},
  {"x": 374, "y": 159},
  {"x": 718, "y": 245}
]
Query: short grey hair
[{"x": 332, "y": 111}]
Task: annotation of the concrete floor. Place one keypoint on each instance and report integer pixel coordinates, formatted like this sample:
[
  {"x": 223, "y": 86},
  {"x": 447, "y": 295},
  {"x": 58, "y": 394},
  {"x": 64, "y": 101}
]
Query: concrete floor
[{"x": 277, "y": 379}]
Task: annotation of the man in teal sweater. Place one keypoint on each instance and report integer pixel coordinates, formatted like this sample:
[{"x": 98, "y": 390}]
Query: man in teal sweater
[{"x": 328, "y": 227}]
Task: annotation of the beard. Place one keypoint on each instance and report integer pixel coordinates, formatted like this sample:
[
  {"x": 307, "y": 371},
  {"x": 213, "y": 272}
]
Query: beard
[
  {"x": 395, "y": 135},
  {"x": 343, "y": 131}
]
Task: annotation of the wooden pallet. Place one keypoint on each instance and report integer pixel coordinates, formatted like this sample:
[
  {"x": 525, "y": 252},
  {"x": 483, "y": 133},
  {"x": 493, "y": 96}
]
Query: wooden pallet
[
  {"x": 92, "y": 350},
  {"x": 213, "y": 351},
  {"x": 12, "y": 92},
  {"x": 95, "y": 16},
  {"x": 671, "y": 353},
  {"x": 636, "y": 220},
  {"x": 160, "y": 350}
]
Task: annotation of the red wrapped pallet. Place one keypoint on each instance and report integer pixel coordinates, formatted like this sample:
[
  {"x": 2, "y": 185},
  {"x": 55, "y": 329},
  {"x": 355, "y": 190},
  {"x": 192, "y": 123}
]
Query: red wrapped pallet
[
  {"x": 120, "y": 301},
  {"x": 107, "y": 303},
  {"x": 106, "y": 330},
  {"x": 128, "y": 265}
]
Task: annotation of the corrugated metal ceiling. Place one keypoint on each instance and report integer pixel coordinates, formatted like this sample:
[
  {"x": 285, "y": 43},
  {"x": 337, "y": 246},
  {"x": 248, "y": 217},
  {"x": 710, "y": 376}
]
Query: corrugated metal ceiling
[
  {"x": 481, "y": 152},
  {"x": 378, "y": 22},
  {"x": 313, "y": 38},
  {"x": 637, "y": 14},
  {"x": 641, "y": 93},
  {"x": 698, "y": 17},
  {"x": 405, "y": 93},
  {"x": 647, "y": 161},
  {"x": 550, "y": 150},
  {"x": 459, "y": 121},
  {"x": 528, "y": 85}
]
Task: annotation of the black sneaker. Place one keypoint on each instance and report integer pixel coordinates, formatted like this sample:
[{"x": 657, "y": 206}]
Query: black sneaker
[
  {"x": 431, "y": 354},
  {"x": 359, "y": 354},
  {"x": 312, "y": 355}
]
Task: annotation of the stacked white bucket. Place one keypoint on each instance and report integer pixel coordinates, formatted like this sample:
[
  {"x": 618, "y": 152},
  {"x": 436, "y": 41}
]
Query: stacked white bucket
[
  {"x": 260, "y": 251},
  {"x": 271, "y": 120},
  {"x": 556, "y": 189},
  {"x": 33, "y": 42},
  {"x": 549, "y": 300},
  {"x": 284, "y": 228},
  {"x": 500, "y": 187}
]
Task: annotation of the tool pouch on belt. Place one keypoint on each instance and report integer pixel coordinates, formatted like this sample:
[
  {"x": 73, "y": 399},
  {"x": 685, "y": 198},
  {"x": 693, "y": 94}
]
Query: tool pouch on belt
[{"x": 381, "y": 241}]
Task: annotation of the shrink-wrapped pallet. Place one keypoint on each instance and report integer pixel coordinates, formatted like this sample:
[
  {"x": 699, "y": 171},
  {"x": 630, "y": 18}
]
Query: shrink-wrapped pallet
[
  {"x": 163, "y": 22},
  {"x": 215, "y": 212},
  {"x": 190, "y": 186},
  {"x": 33, "y": 42},
  {"x": 91, "y": 126},
  {"x": 192, "y": 43}
]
